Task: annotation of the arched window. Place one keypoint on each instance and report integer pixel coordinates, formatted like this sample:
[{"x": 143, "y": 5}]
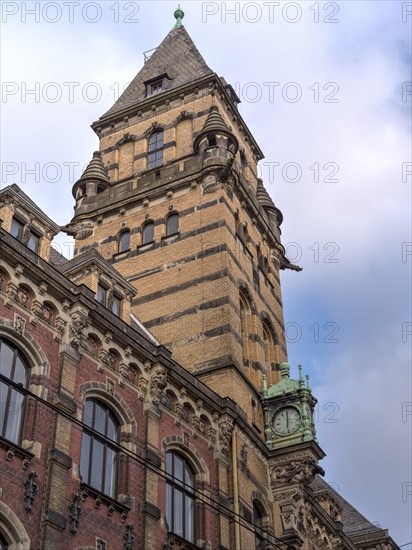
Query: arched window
[
  {"x": 124, "y": 241},
  {"x": 180, "y": 499},
  {"x": 245, "y": 321},
  {"x": 98, "y": 461},
  {"x": 4, "y": 545},
  {"x": 148, "y": 233},
  {"x": 269, "y": 343},
  {"x": 14, "y": 368},
  {"x": 155, "y": 150},
  {"x": 258, "y": 515},
  {"x": 172, "y": 224}
]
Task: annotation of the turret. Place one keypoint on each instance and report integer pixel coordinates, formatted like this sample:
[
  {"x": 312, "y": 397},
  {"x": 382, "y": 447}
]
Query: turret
[
  {"x": 274, "y": 214},
  {"x": 215, "y": 141},
  {"x": 94, "y": 180}
]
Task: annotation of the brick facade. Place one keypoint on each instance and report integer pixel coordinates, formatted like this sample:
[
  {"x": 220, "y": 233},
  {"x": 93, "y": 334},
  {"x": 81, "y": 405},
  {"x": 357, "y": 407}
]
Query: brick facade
[{"x": 180, "y": 368}]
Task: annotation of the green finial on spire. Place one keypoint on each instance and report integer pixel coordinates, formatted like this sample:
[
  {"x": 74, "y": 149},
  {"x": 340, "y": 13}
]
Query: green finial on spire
[
  {"x": 307, "y": 382},
  {"x": 301, "y": 381},
  {"x": 179, "y": 14}
]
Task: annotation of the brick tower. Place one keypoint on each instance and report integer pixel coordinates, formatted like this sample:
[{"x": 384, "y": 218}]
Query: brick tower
[{"x": 173, "y": 201}]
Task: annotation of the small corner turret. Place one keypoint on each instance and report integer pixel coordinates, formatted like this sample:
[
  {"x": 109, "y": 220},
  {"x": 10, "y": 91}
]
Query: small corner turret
[
  {"x": 288, "y": 410},
  {"x": 93, "y": 181}
]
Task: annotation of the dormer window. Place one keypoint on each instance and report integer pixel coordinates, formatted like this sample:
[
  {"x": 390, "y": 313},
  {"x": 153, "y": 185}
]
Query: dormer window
[
  {"x": 24, "y": 234},
  {"x": 155, "y": 86},
  {"x": 102, "y": 295},
  {"x": 33, "y": 243},
  {"x": 17, "y": 229},
  {"x": 108, "y": 299}
]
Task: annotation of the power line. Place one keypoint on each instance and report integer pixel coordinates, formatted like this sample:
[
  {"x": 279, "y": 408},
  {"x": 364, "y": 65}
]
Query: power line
[{"x": 221, "y": 508}]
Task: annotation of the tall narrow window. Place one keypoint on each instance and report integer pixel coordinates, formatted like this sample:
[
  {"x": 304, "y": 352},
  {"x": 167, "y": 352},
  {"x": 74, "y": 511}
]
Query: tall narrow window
[
  {"x": 14, "y": 368},
  {"x": 155, "y": 151},
  {"x": 124, "y": 241},
  {"x": 4, "y": 545},
  {"x": 258, "y": 516},
  {"x": 98, "y": 461},
  {"x": 269, "y": 342},
  {"x": 16, "y": 229},
  {"x": 102, "y": 295},
  {"x": 148, "y": 233},
  {"x": 172, "y": 224},
  {"x": 245, "y": 321},
  {"x": 33, "y": 243},
  {"x": 180, "y": 499}
]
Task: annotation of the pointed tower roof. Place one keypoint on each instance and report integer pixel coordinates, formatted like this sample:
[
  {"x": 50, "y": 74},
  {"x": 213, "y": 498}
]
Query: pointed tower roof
[
  {"x": 215, "y": 122},
  {"x": 95, "y": 171},
  {"x": 263, "y": 196},
  {"x": 177, "y": 58}
]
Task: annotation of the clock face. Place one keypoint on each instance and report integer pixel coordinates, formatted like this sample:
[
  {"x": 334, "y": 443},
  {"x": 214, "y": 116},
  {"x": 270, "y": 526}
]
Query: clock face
[{"x": 286, "y": 421}]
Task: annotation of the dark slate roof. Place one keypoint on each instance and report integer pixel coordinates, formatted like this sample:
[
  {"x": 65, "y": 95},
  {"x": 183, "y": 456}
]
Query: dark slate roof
[
  {"x": 56, "y": 259},
  {"x": 177, "y": 57},
  {"x": 354, "y": 523}
]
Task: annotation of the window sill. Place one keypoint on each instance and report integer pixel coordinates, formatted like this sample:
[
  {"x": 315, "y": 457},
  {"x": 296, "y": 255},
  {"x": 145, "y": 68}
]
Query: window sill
[
  {"x": 12, "y": 449},
  {"x": 152, "y": 170},
  {"x": 179, "y": 543},
  {"x": 171, "y": 237},
  {"x": 118, "y": 255},
  {"x": 101, "y": 498},
  {"x": 146, "y": 246}
]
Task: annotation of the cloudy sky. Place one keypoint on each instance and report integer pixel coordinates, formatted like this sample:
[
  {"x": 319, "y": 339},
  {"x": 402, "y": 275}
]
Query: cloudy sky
[{"x": 324, "y": 89}]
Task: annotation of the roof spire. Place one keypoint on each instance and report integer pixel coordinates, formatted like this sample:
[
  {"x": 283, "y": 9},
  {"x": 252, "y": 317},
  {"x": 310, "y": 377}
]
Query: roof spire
[{"x": 179, "y": 14}]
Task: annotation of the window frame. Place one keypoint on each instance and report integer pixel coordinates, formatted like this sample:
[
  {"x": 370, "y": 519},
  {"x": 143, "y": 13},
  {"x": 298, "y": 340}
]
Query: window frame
[
  {"x": 121, "y": 244},
  {"x": 101, "y": 296},
  {"x": 10, "y": 390},
  {"x": 155, "y": 150},
  {"x": 172, "y": 216},
  {"x": 4, "y": 545},
  {"x": 103, "y": 439},
  {"x": 176, "y": 485},
  {"x": 20, "y": 225},
  {"x": 145, "y": 226},
  {"x": 155, "y": 87}
]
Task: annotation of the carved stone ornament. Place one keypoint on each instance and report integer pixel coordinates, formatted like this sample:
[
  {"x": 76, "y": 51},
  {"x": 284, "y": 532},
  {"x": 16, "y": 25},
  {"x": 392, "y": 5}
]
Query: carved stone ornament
[
  {"x": 158, "y": 383},
  {"x": 75, "y": 513},
  {"x": 286, "y": 495},
  {"x": 78, "y": 323},
  {"x": 59, "y": 326},
  {"x": 211, "y": 183},
  {"x": 19, "y": 324},
  {"x": 30, "y": 491},
  {"x": 43, "y": 288},
  {"x": 297, "y": 471},
  {"x": 129, "y": 538},
  {"x": 225, "y": 435},
  {"x": 83, "y": 234}
]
